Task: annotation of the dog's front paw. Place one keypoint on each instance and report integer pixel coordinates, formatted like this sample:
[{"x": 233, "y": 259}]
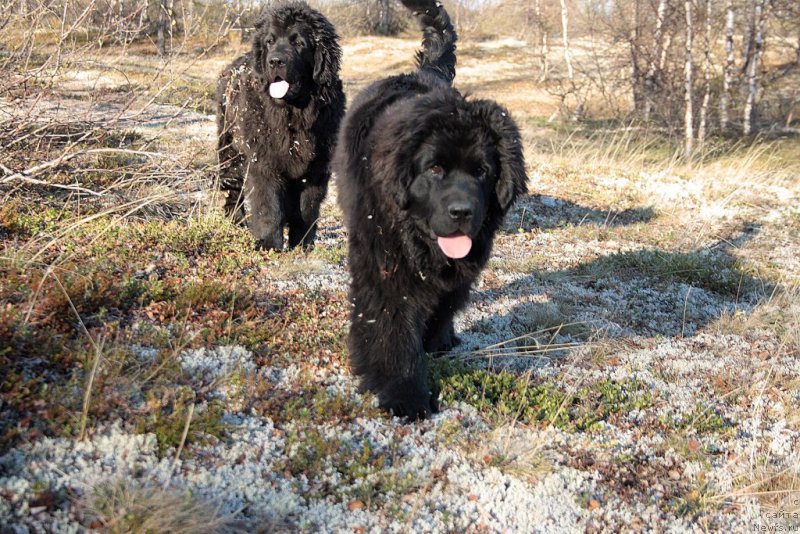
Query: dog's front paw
[
  {"x": 443, "y": 342},
  {"x": 448, "y": 343},
  {"x": 410, "y": 401}
]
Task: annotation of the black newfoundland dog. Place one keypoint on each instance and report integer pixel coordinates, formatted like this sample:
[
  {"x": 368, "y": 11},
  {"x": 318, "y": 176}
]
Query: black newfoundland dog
[
  {"x": 278, "y": 110},
  {"x": 425, "y": 177}
]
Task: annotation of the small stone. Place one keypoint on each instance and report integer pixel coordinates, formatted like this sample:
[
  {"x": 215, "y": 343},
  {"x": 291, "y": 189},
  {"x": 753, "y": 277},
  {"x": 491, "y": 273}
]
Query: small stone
[{"x": 355, "y": 505}]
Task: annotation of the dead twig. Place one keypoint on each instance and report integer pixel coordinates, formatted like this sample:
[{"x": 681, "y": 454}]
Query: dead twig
[{"x": 27, "y": 176}]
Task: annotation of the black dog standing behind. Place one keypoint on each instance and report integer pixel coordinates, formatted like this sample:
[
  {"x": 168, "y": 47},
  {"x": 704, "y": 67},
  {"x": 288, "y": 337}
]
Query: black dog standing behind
[
  {"x": 279, "y": 108},
  {"x": 425, "y": 178}
]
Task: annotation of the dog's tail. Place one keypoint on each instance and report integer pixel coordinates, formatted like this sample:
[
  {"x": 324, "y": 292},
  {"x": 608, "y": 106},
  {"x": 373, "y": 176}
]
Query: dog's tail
[{"x": 438, "y": 54}]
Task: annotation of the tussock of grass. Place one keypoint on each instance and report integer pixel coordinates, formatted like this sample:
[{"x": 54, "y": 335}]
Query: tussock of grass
[{"x": 125, "y": 506}]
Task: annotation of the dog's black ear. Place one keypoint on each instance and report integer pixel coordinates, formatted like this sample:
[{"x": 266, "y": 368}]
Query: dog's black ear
[
  {"x": 405, "y": 177},
  {"x": 512, "y": 179},
  {"x": 258, "y": 54},
  {"x": 258, "y": 44},
  {"x": 327, "y": 52},
  {"x": 261, "y": 21}
]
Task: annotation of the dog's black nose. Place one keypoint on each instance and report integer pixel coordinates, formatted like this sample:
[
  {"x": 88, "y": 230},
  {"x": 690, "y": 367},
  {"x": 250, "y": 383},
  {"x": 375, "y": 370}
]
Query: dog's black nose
[
  {"x": 460, "y": 211},
  {"x": 277, "y": 61}
]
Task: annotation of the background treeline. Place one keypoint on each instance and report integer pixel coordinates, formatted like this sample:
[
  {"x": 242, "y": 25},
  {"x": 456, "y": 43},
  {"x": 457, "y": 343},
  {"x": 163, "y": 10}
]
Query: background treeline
[{"x": 698, "y": 67}]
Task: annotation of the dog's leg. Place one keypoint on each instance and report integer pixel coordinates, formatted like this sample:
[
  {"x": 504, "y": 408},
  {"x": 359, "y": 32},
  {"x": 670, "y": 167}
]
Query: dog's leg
[
  {"x": 231, "y": 176},
  {"x": 386, "y": 350},
  {"x": 263, "y": 198},
  {"x": 439, "y": 332},
  {"x": 303, "y": 225}
]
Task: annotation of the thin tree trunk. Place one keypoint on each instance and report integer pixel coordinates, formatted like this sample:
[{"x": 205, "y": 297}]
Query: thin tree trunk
[
  {"x": 650, "y": 77},
  {"x": 727, "y": 74},
  {"x": 797, "y": 50},
  {"x": 143, "y": 16},
  {"x": 544, "y": 50},
  {"x": 164, "y": 26},
  {"x": 188, "y": 18},
  {"x": 662, "y": 61},
  {"x": 749, "y": 37},
  {"x": 637, "y": 85},
  {"x": 688, "y": 81},
  {"x": 760, "y": 13},
  {"x": 701, "y": 132},
  {"x": 383, "y": 17},
  {"x": 565, "y": 39}
]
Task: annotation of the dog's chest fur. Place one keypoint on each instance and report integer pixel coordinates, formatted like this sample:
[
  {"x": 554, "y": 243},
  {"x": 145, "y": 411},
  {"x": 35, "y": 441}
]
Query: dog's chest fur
[{"x": 279, "y": 137}]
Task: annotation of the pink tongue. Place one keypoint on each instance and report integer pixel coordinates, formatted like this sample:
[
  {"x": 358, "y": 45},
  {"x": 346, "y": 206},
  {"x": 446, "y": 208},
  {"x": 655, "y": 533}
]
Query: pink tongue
[
  {"x": 456, "y": 246},
  {"x": 278, "y": 89}
]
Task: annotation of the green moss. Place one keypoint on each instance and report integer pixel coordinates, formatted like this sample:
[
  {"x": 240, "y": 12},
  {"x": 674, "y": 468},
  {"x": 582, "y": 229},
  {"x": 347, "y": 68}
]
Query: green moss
[
  {"x": 702, "y": 418},
  {"x": 505, "y": 395}
]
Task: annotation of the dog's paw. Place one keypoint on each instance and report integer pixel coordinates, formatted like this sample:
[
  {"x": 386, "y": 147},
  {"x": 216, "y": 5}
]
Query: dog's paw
[
  {"x": 450, "y": 343},
  {"x": 411, "y": 402},
  {"x": 444, "y": 342}
]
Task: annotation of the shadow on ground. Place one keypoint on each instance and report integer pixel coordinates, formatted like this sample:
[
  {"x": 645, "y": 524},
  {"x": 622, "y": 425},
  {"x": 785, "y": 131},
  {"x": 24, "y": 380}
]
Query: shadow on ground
[
  {"x": 628, "y": 295},
  {"x": 546, "y": 212}
]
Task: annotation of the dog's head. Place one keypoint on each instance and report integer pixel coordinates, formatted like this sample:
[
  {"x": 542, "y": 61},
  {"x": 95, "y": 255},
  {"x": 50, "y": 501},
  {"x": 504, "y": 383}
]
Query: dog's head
[
  {"x": 455, "y": 168},
  {"x": 295, "y": 48}
]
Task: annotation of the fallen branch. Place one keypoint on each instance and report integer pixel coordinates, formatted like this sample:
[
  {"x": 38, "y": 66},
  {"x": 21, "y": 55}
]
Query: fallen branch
[{"x": 27, "y": 176}]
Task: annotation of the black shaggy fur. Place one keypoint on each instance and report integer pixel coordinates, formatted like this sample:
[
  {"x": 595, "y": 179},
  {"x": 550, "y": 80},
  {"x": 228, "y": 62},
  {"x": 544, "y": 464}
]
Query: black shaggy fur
[
  {"x": 274, "y": 154},
  {"x": 415, "y": 161}
]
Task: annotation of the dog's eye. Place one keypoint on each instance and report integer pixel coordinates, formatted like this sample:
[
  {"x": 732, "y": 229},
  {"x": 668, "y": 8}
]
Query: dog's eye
[
  {"x": 438, "y": 170},
  {"x": 297, "y": 42},
  {"x": 270, "y": 40}
]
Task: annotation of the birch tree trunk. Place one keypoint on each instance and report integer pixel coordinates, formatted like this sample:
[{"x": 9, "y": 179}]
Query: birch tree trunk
[
  {"x": 383, "y": 17},
  {"x": 688, "y": 118},
  {"x": 749, "y": 36},
  {"x": 701, "y": 131},
  {"x": 544, "y": 49},
  {"x": 565, "y": 39},
  {"x": 760, "y": 12},
  {"x": 662, "y": 61},
  {"x": 140, "y": 29},
  {"x": 637, "y": 85},
  {"x": 797, "y": 50},
  {"x": 650, "y": 77},
  {"x": 188, "y": 18},
  {"x": 164, "y": 26},
  {"x": 727, "y": 73}
]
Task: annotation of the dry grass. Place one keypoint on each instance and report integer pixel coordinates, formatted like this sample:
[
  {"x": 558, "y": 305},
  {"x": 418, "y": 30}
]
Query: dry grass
[{"x": 126, "y": 506}]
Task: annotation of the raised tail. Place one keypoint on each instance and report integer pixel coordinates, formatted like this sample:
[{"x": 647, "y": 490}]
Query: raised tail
[{"x": 438, "y": 54}]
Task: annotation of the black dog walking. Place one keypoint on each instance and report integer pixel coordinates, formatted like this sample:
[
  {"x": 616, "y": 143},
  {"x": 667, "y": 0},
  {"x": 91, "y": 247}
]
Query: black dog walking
[
  {"x": 278, "y": 110},
  {"x": 425, "y": 177}
]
